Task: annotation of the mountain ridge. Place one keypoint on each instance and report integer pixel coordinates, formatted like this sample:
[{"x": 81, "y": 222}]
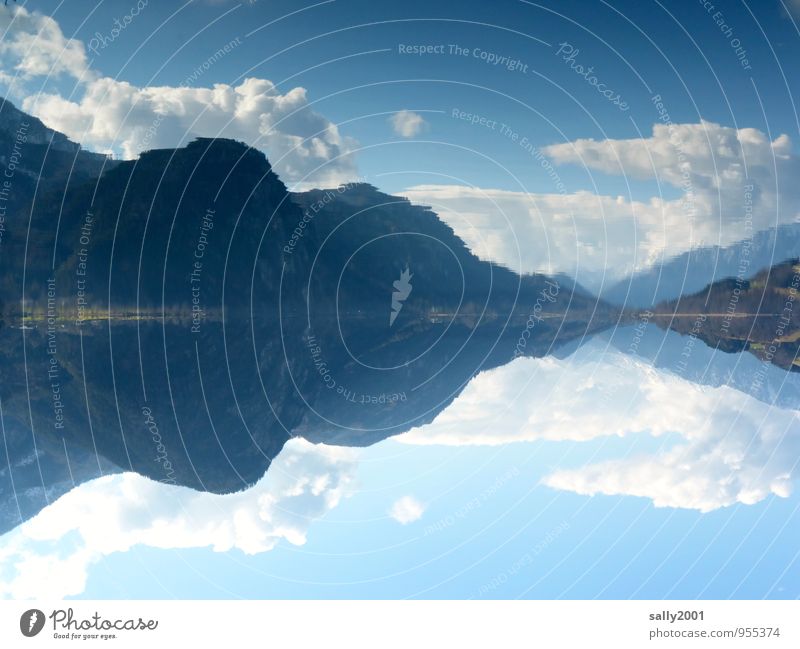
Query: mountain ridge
[{"x": 182, "y": 315}]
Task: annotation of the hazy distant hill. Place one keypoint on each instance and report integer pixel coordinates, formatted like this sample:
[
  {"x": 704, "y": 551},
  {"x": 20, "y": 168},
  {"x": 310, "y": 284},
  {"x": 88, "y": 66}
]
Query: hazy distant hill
[{"x": 693, "y": 270}]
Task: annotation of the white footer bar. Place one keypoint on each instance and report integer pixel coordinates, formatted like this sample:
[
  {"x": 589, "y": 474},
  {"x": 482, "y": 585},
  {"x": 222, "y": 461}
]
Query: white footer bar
[{"x": 400, "y": 624}]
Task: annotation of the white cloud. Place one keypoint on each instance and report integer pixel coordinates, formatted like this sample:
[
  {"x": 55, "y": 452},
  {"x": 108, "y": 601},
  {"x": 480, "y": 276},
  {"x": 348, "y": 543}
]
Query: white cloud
[
  {"x": 33, "y": 45},
  {"x": 595, "y": 237},
  {"x": 407, "y": 123},
  {"x": 117, "y": 116},
  {"x": 704, "y": 157},
  {"x": 49, "y": 555},
  {"x": 114, "y": 116},
  {"x": 549, "y": 398},
  {"x": 590, "y": 237},
  {"x": 406, "y": 510},
  {"x": 732, "y": 447},
  {"x": 692, "y": 476}
]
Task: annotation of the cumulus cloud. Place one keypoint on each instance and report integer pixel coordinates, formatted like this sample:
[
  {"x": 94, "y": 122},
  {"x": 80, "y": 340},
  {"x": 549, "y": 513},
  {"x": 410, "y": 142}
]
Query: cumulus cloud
[
  {"x": 732, "y": 447},
  {"x": 49, "y": 555},
  {"x": 729, "y": 183},
  {"x": 703, "y": 158},
  {"x": 593, "y": 238},
  {"x": 407, "y": 123},
  {"x": 33, "y": 45},
  {"x": 114, "y": 116},
  {"x": 406, "y": 510}
]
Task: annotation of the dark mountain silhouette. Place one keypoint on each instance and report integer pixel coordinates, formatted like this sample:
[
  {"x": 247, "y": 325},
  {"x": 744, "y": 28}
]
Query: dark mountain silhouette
[{"x": 183, "y": 315}]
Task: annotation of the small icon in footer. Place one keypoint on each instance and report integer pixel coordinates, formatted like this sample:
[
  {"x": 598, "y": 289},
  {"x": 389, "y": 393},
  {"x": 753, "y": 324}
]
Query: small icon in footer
[{"x": 31, "y": 622}]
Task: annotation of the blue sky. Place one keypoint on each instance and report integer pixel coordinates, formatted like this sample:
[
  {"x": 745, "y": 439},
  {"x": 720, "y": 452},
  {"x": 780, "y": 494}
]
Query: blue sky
[
  {"x": 504, "y": 495},
  {"x": 521, "y": 540},
  {"x": 690, "y": 62},
  {"x": 330, "y": 93}
]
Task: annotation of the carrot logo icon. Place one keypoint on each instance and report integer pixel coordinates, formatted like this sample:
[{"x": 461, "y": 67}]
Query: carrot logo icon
[
  {"x": 402, "y": 289},
  {"x": 31, "y": 622}
]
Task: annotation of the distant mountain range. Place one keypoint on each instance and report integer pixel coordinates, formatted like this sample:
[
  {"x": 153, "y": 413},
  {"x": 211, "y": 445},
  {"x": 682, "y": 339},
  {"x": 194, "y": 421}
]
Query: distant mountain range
[
  {"x": 694, "y": 270},
  {"x": 695, "y": 361}
]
